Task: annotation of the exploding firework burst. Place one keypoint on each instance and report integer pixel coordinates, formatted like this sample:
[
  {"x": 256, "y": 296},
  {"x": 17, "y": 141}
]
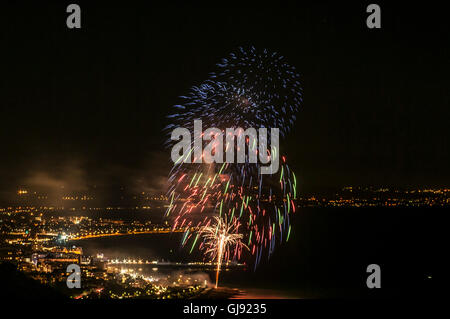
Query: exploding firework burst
[
  {"x": 271, "y": 84},
  {"x": 222, "y": 241}
]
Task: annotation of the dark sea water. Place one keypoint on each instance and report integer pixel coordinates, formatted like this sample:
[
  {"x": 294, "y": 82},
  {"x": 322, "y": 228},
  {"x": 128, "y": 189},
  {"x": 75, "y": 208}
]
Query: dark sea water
[{"x": 326, "y": 256}]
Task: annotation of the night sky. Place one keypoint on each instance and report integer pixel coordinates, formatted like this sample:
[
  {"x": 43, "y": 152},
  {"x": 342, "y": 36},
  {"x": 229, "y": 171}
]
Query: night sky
[{"x": 87, "y": 106}]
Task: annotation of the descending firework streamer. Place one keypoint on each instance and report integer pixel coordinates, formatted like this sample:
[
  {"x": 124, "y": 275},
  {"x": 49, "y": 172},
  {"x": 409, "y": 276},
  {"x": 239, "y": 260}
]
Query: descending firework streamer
[{"x": 248, "y": 89}]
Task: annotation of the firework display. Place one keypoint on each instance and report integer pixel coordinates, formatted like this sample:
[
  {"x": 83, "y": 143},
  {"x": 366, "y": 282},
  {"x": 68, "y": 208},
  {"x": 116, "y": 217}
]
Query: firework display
[
  {"x": 220, "y": 240},
  {"x": 248, "y": 89}
]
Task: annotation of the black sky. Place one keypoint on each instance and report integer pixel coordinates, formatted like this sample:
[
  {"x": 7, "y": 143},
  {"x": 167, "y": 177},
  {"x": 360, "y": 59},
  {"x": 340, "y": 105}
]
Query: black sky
[{"x": 376, "y": 102}]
